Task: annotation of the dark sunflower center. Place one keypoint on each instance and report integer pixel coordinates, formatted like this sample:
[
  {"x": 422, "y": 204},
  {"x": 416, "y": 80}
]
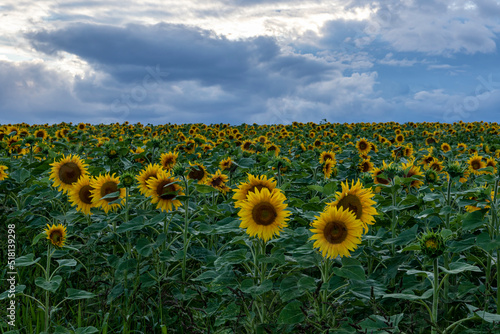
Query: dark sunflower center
[
  {"x": 69, "y": 173},
  {"x": 247, "y": 145},
  {"x": 196, "y": 173},
  {"x": 39, "y": 134},
  {"x": 259, "y": 187},
  {"x": 55, "y": 236},
  {"x": 85, "y": 195},
  {"x": 352, "y": 203},
  {"x": 335, "y": 232},
  {"x": 167, "y": 192},
  {"x": 475, "y": 165},
  {"x": 365, "y": 167},
  {"x": 399, "y": 138},
  {"x": 108, "y": 188},
  {"x": 379, "y": 179},
  {"x": 264, "y": 214},
  {"x": 216, "y": 182},
  {"x": 363, "y": 146},
  {"x": 328, "y": 156}
]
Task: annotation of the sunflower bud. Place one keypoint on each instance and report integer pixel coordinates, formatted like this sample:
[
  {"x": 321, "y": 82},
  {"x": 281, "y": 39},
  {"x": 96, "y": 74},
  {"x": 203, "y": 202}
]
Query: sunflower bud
[
  {"x": 178, "y": 169},
  {"x": 127, "y": 180},
  {"x": 366, "y": 178},
  {"x": 29, "y": 140},
  {"x": 431, "y": 244},
  {"x": 431, "y": 176},
  {"x": 454, "y": 170}
]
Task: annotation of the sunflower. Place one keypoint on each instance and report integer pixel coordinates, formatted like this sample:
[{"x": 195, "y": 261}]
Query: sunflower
[
  {"x": 445, "y": 147},
  {"x": 246, "y": 146},
  {"x": 81, "y": 196},
  {"x": 164, "y": 189},
  {"x": 462, "y": 147},
  {"x": 399, "y": 138},
  {"x": 56, "y": 234},
  {"x": 263, "y": 214},
  {"x": 357, "y": 200},
  {"x": 325, "y": 155},
  {"x": 103, "y": 186},
  {"x": 197, "y": 172},
  {"x": 337, "y": 232},
  {"x": 491, "y": 162},
  {"x": 408, "y": 150},
  {"x": 363, "y": 146},
  {"x": 328, "y": 168},
  {"x": 409, "y": 170},
  {"x": 365, "y": 166},
  {"x": 254, "y": 183},
  {"x": 41, "y": 133},
  {"x": 226, "y": 163},
  {"x": 67, "y": 171},
  {"x": 151, "y": 171},
  {"x": 475, "y": 164},
  {"x": 376, "y": 172},
  {"x": 436, "y": 165},
  {"x": 218, "y": 181},
  {"x": 3, "y": 173},
  {"x": 168, "y": 160}
]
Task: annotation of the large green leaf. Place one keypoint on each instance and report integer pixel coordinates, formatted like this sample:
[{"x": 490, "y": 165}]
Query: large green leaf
[
  {"x": 26, "y": 260},
  {"x": 407, "y": 296},
  {"x": 51, "y": 285},
  {"x": 291, "y": 313},
  {"x": 351, "y": 269},
  {"x": 473, "y": 220},
  {"x": 459, "y": 267},
  {"x": 232, "y": 257},
  {"x": 75, "y": 294}
]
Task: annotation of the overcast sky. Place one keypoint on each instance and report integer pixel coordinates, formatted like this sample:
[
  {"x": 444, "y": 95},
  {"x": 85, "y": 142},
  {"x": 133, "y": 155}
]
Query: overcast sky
[{"x": 246, "y": 61}]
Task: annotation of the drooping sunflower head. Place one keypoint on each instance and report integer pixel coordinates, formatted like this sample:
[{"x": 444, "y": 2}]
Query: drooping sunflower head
[
  {"x": 56, "y": 234},
  {"x": 168, "y": 160},
  {"x": 263, "y": 215},
  {"x": 410, "y": 170},
  {"x": 475, "y": 164},
  {"x": 106, "y": 192},
  {"x": 3, "y": 173},
  {"x": 254, "y": 183},
  {"x": 329, "y": 168},
  {"x": 163, "y": 189},
  {"x": 358, "y": 200},
  {"x": 436, "y": 165},
  {"x": 67, "y": 171},
  {"x": 225, "y": 163},
  {"x": 81, "y": 195},
  {"x": 151, "y": 171},
  {"x": 336, "y": 232}
]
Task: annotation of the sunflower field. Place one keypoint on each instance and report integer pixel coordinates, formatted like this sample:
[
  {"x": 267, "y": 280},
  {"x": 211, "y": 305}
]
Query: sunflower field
[{"x": 300, "y": 228}]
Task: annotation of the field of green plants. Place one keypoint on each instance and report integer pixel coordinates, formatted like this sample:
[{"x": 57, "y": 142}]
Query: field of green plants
[{"x": 300, "y": 228}]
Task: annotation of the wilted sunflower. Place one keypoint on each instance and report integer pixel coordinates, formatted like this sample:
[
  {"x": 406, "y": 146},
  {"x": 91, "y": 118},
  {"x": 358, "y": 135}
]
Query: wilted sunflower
[
  {"x": 363, "y": 146},
  {"x": 475, "y": 164},
  {"x": 163, "y": 191},
  {"x": 81, "y": 196},
  {"x": 168, "y": 160},
  {"x": 103, "y": 186},
  {"x": 151, "y": 171},
  {"x": 218, "y": 181},
  {"x": 263, "y": 214},
  {"x": 254, "y": 183},
  {"x": 67, "y": 171},
  {"x": 325, "y": 155},
  {"x": 197, "y": 172},
  {"x": 358, "y": 200},
  {"x": 56, "y": 234},
  {"x": 337, "y": 232},
  {"x": 3, "y": 173}
]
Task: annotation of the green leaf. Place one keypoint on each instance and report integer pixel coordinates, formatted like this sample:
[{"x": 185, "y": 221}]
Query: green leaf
[
  {"x": 351, "y": 269},
  {"x": 61, "y": 330},
  {"x": 133, "y": 225},
  {"x": 18, "y": 289},
  {"x": 232, "y": 257},
  {"x": 247, "y": 286},
  {"x": 484, "y": 241},
  {"x": 75, "y": 294},
  {"x": 245, "y": 163},
  {"x": 486, "y": 316},
  {"x": 51, "y": 285},
  {"x": 315, "y": 187},
  {"x": 38, "y": 237},
  {"x": 20, "y": 175},
  {"x": 289, "y": 289},
  {"x": 330, "y": 188},
  {"x": 291, "y": 314},
  {"x": 407, "y": 296},
  {"x": 67, "y": 263},
  {"x": 473, "y": 220},
  {"x": 204, "y": 189},
  {"x": 26, "y": 260},
  {"x": 86, "y": 330},
  {"x": 403, "y": 238},
  {"x": 459, "y": 267},
  {"x": 144, "y": 247}
]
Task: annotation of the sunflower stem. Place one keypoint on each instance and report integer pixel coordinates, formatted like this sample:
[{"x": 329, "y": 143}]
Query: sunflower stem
[
  {"x": 446, "y": 259},
  {"x": 435, "y": 297},
  {"x": 185, "y": 232},
  {"x": 47, "y": 297}
]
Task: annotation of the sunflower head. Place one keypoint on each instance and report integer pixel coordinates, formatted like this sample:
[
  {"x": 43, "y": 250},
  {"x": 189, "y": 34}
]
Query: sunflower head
[
  {"x": 56, "y": 234},
  {"x": 263, "y": 214},
  {"x": 336, "y": 232},
  {"x": 81, "y": 195},
  {"x": 3, "y": 173},
  {"x": 127, "y": 179},
  {"x": 67, "y": 171},
  {"x": 106, "y": 192},
  {"x": 163, "y": 191},
  {"x": 454, "y": 169},
  {"x": 254, "y": 183}
]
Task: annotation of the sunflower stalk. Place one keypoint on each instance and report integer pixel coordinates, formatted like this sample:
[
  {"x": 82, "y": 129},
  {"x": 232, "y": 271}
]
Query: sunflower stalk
[
  {"x": 185, "y": 232},
  {"x": 47, "y": 297},
  {"x": 446, "y": 259},
  {"x": 435, "y": 296}
]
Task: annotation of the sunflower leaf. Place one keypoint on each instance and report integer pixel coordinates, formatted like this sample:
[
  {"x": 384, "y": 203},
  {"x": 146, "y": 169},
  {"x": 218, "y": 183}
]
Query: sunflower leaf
[
  {"x": 51, "y": 285},
  {"x": 38, "y": 237},
  {"x": 474, "y": 220},
  {"x": 291, "y": 313},
  {"x": 204, "y": 189},
  {"x": 486, "y": 316},
  {"x": 26, "y": 260},
  {"x": 351, "y": 269},
  {"x": 75, "y": 294}
]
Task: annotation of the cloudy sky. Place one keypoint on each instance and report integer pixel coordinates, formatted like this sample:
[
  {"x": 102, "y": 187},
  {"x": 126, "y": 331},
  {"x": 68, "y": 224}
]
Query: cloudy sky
[{"x": 246, "y": 61}]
